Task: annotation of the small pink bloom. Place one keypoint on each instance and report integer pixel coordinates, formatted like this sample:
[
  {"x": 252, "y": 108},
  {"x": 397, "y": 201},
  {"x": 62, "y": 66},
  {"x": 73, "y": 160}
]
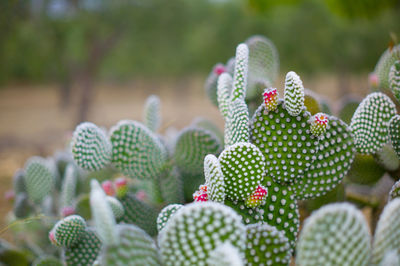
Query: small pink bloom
[{"x": 219, "y": 69}]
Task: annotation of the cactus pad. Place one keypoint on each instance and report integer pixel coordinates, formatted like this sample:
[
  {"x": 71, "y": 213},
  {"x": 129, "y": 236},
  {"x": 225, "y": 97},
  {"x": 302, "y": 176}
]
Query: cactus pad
[
  {"x": 39, "y": 178},
  {"x": 281, "y": 210},
  {"x": 394, "y": 79},
  {"x": 266, "y": 245},
  {"x": 211, "y": 83},
  {"x": 69, "y": 186},
  {"x": 90, "y": 147},
  {"x": 135, "y": 248},
  {"x": 243, "y": 166},
  {"x": 370, "y": 122},
  {"x": 240, "y": 72},
  {"x": 237, "y": 124},
  {"x": 137, "y": 152},
  {"x": 116, "y": 207},
  {"x": 223, "y": 93},
  {"x": 382, "y": 68},
  {"x": 152, "y": 118},
  {"x": 85, "y": 251},
  {"x": 214, "y": 178},
  {"x": 192, "y": 145},
  {"x": 285, "y": 141},
  {"x": 249, "y": 215},
  {"x": 394, "y": 133},
  {"x": 166, "y": 214},
  {"x": 294, "y": 94},
  {"x": 196, "y": 230},
  {"x": 334, "y": 157},
  {"x": 171, "y": 186},
  {"x": 395, "y": 191},
  {"x": 69, "y": 230},
  {"x": 387, "y": 233},
  {"x": 225, "y": 255},
  {"x": 336, "y": 234}
]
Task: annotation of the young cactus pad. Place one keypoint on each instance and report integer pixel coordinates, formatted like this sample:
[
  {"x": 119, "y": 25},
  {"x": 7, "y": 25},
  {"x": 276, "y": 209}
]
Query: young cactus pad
[
  {"x": 135, "y": 248},
  {"x": 166, "y": 214},
  {"x": 394, "y": 133},
  {"x": 265, "y": 245},
  {"x": 91, "y": 147},
  {"x": 243, "y": 166},
  {"x": 240, "y": 72},
  {"x": 85, "y": 251},
  {"x": 192, "y": 145},
  {"x": 225, "y": 255},
  {"x": 69, "y": 230},
  {"x": 387, "y": 233},
  {"x": 137, "y": 151},
  {"x": 394, "y": 79},
  {"x": 236, "y": 129},
  {"x": 285, "y": 140},
  {"x": 334, "y": 157},
  {"x": 39, "y": 178},
  {"x": 384, "y": 65},
  {"x": 336, "y": 234},
  {"x": 214, "y": 178},
  {"x": 294, "y": 94},
  {"x": 196, "y": 230},
  {"x": 370, "y": 122},
  {"x": 152, "y": 117}
]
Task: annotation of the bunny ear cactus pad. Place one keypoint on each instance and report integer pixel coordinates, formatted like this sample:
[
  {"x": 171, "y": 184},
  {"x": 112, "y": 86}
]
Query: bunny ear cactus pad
[
  {"x": 192, "y": 145},
  {"x": 384, "y": 65},
  {"x": 214, "y": 178},
  {"x": 240, "y": 73},
  {"x": 136, "y": 151},
  {"x": 85, "y": 251},
  {"x": 225, "y": 255},
  {"x": 285, "y": 141},
  {"x": 336, "y": 234},
  {"x": 237, "y": 124},
  {"x": 223, "y": 93},
  {"x": 370, "y": 122},
  {"x": 281, "y": 209},
  {"x": 394, "y": 79},
  {"x": 243, "y": 167},
  {"x": 394, "y": 133},
  {"x": 294, "y": 94},
  {"x": 249, "y": 215},
  {"x": 152, "y": 118},
  {"x": 334, "y": 157},
  {"x": 266, "y": 245},
  {"x": 196, "y": 230},
  {"x": 69, "y": 230},
  {"x": 263, "y": 64},
  {"x": 135, "y": 248},
  {"x": 166, "y": 214},
  {"x": 212, "y": 81},
  {"x": 39, "y": 178},
  {"x": 387, "y": 233},
  {"x": 91, "y": 147}
]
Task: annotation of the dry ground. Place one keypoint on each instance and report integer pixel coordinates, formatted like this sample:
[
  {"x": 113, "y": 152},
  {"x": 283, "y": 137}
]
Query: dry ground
[{"x": 31, "y": 122}]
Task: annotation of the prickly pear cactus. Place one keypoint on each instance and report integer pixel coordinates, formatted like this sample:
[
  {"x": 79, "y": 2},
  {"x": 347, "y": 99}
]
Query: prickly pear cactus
[
  {"x": 69, "y": 231},
  {"x": 240, "y": 73},
  {"x": 196, "y": 230},
  {"x": 39, "y": 178},
  {"x": 192, "y": 145},
  {"x": 336, "y": 234},
  {"x": 91, "y": 147},
  {"x": 68, "y": 188},
  {"x": 214, "y": 178},
  {"x": 137, "y": 152},
  {"x": 394, "y": 79},
  {"x": 394, "y": 133},
  {"x": 387, "y": 233},
  {"x": 225, "y": 255},
  {"x": 370, "y": 122},
  {"x": 266, "y": 245},
  {"x": 135, "y": 248},
  {"x": 294, "y": 94}
]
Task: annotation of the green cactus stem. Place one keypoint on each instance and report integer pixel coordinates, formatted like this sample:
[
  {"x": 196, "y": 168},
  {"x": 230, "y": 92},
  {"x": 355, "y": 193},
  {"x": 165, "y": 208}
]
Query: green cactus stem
[
  {"x": 294, "y": 94},
  {"x": 152, "y": 117}
]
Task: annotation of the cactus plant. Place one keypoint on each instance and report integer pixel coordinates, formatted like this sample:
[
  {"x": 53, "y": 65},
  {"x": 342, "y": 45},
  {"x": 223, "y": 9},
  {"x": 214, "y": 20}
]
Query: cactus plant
[
  {"x": 166, "y": 214},
  {"x": 383, "y": 67},
  {"x": 68, "y": 231}
]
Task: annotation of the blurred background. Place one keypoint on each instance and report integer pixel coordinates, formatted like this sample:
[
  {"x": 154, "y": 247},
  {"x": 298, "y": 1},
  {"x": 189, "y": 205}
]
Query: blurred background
[{"x": 67, "y": 61}]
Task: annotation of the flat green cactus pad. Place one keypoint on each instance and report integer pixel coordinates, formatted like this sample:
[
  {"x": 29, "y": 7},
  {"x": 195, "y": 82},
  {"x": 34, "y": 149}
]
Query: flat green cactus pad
[
  {"x": 137, "y": 152},
  {"x": 237, "y": 123},
  {"x": 387, "y": 233},
  {"x": 69, "y": 230},
  {"x": 294, "y": 94},
  {"x": 370, "y": 122},
  {"x": 166, "y": 214},
  {"x": 336, "y": 234},
  {"x": 249, "y": 215},
  {"x": 286, "y": 142},
  {"x": 263, "y": 65},
  {"x": 192, "y": 145},
  {"x": 242, "y": 165},
  {"x": 85, "y": 251},
  {"x": 139, "y": 213},
  {"x": 394, "y": 79},
  {"x": 281, "y": 209},
  {"x": 394, "y": 133},
  {"x": 384, "y": 64},
  {"x": 39, "y": 178},
  {"x": 334, "y": 157},
  {"x": 196, "y": 230},
  {"x": 152, "y": 117},
  {"x": 135, "y": 248},
  {"x": 240, "y": 72},
  {"x": 91, "y": 147},
  {"x": 266, "y": 245},
  {"x": 214, "y": 179}
]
